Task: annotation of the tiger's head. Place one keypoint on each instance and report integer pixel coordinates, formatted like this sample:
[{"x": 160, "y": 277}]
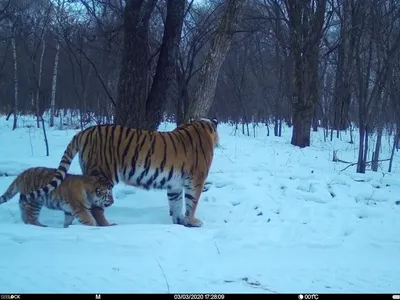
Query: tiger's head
[
  {"x": 100, "y": 193},
  {"x": 211, "y": 128}
]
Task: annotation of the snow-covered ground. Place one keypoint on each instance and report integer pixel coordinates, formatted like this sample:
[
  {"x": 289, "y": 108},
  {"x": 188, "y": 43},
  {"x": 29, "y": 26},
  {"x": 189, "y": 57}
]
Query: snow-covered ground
[{"x": 277, "y": 219}]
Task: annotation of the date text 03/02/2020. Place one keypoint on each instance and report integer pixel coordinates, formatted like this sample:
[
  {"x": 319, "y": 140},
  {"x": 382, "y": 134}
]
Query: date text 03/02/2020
[{"x": 199, "y": 296}]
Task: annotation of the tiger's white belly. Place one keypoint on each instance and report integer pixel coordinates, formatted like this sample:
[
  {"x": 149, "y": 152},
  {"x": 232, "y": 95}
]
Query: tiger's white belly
[{"x": 154, "y": 179}]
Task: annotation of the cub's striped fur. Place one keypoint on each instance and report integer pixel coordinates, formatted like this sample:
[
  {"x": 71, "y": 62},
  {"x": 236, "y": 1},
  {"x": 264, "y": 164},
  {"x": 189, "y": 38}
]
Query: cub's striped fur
[
  {"x": 74, "y": 196},
  {"x": 178, "y": 160}
]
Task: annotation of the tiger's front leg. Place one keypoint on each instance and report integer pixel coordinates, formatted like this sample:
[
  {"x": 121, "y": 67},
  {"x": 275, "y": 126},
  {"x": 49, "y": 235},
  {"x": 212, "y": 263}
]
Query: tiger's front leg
[
  {"x": 98, "y": 214},
  {"x": 85, "y": 218}
]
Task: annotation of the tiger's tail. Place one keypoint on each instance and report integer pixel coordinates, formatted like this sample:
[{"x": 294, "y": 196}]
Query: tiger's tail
[
  {"x": 63, "y": 167},
  {"x": 10, "y": 192}
]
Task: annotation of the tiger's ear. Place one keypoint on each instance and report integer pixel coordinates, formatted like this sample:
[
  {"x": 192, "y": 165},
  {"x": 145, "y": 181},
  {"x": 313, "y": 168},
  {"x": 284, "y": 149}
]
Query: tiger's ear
[
  {"x": 191, "y": 120},
  {"x": 215, "y": 121}
]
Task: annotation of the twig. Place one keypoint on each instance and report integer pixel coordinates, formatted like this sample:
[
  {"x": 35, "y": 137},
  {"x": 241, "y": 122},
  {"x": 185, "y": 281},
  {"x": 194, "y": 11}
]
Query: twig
[
  {"x": 165, "y": 277},
  {"x": 30, "y": 141},
  {"x": 256, "y": 284},
  {"x": 11, "y": 213},
  {"x": 216, "y": 246},
  {"x": 226, "y": 156},
  {"x": 367, "y": 162},
  {"x": 335, "y": 158},
  {"x": 45, "y": 137}
]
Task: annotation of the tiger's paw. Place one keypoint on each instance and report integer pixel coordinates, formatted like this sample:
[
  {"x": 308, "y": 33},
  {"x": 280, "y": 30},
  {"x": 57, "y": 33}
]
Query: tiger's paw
[
  {"x": 106, "y": 225},
  {"x": 37, "y": 223},
  {"x": 180, "y": 220},
  {"x": 193, "y": 222}
]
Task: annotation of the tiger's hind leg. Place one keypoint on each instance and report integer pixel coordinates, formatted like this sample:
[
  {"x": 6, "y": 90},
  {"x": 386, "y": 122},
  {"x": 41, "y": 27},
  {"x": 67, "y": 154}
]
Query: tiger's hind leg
[
  {"x": 30, "y": 211},
  {"x": 175, "y": 200},
  {"x": 68, "y": 219},
  {"x": 193, "y": 189}
]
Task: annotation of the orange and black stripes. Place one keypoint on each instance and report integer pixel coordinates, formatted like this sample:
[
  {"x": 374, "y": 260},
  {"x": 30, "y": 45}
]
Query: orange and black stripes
[
  {"x": 146, "y": 159},
  {"x": 75, "y": 195}
]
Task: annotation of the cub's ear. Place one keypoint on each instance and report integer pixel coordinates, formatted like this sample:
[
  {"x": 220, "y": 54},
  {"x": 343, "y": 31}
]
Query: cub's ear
[
  {"x": 191, "y": 120},
  {"x": 215, "y": 121}
]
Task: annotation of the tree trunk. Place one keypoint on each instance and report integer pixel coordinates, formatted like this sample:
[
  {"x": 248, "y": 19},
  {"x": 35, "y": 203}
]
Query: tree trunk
[
  {"x": 351, "y": 134},
  {"x": 208, "y": 74},
  {"x": 54, "y": 85},
  {"x": 276, "y": 126},
  {"x": 38, "y": 110},
  {"x": 306, "y": 20},
  {"x": 166, "y": 66},
  {"x": 375, "y": 157},
  {"x": 396, "y": 140},
  {"x": 133, "y": 82},
  {"x": 305, "y": 98},
  {"x": 342, "y": 92},
  {"x": 301, "y": 128},
  {"x": 361, "y": 163},
  {"x": 14, "y": 49},
  {"x": 315, "y": 120},
  {"x": 366, "y": 146}
]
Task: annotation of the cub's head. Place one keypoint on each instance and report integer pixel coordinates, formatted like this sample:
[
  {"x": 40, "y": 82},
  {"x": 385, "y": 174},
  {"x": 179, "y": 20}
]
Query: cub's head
[{"x": 100, "y": 193}]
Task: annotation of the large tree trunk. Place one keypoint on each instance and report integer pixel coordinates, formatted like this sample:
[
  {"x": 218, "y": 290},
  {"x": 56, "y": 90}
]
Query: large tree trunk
[
  {"x": 305, "y": 95},
  {"x": 208, "y": 74},
  {"x": 306, "y": 21},
  {"x": 183, "y": 97},
  {"x": 166, "y": 67},
  {"x": 130, "y": 108},
  {"x": 54, "y": 86},
  {"x": 301, "y": 127},
  {"x": 137, "y": 105}
]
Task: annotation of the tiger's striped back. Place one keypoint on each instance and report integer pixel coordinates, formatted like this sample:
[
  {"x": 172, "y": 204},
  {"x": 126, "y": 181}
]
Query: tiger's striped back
[{"x": 171, "y": 160}]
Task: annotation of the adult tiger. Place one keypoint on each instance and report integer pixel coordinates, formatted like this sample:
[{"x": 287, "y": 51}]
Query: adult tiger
[{"x": 175, "y": 160}]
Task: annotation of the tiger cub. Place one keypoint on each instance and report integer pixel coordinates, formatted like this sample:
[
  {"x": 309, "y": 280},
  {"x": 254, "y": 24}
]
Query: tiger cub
[{"x": 75, "y": 196}]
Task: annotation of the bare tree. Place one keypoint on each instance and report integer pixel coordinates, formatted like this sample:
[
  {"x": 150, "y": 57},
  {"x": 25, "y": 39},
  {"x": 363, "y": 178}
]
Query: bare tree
[
  {"x": 373, "y": 65},
  {"x": 208, "y": 75},
  {"x": 306, "y": 21},
  {"x": 167, "y": 63},
  {"x": 345, "y": 66},
  {"x": 54, "y": 85},
  {"x": 15, "y": 62},
  {"x": 137, "y": 101}
]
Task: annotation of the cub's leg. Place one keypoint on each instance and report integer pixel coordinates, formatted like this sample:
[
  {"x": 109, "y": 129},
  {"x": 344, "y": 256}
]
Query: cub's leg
[
  {"x": 193, "y": 189},
  {"x": 98, "y": 214},
  {"x": 85, "y": 217},
  {"x": 68, "y": 219},
  {"x": 175, "y": 200},
  {"x": 30, "y": 211}
]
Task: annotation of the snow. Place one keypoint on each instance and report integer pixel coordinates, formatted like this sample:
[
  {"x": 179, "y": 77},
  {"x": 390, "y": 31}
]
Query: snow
[{"x": 277, "y": 219}]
